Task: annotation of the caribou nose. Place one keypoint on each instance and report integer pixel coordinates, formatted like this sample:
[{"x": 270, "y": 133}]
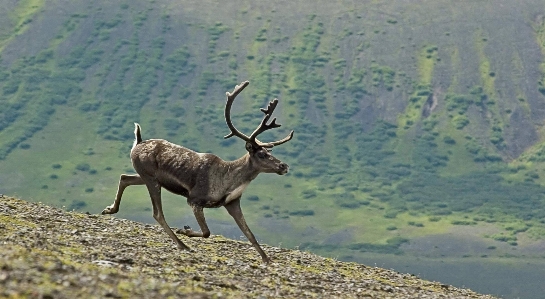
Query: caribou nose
[{"x": 283, "y": 166}]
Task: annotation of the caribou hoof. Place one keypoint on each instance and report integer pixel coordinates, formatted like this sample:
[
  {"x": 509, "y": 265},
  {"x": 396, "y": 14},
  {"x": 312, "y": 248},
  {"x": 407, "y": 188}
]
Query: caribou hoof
[
  {"x": 184, "y": 247},
  {"x": 108, "y": 210}
]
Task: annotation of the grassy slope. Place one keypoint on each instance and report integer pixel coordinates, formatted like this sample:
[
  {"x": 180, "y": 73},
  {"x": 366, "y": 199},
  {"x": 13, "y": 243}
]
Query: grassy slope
[
  {"x": 48, "y": 252},
  {"x": 337, "y": 69}
]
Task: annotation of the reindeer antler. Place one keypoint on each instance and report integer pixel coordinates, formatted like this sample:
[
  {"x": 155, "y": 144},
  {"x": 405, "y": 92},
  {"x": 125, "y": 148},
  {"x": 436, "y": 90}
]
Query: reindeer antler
[
  {"x": 230, "y": 98},
  {"x": 261, "y": 128}
]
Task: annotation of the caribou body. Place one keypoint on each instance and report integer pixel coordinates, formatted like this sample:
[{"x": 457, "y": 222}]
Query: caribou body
[{"x": 204, "y": 179}]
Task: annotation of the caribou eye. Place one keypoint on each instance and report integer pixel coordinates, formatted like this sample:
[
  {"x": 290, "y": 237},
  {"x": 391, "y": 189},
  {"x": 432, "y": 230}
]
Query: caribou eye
[{"x": 261, "y": 154}]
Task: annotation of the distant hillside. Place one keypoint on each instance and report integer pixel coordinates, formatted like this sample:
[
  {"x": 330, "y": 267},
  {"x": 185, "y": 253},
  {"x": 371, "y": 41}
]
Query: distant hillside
[
  {"x": 48, "y": 252},
  {"x": 410, "y": 118}
]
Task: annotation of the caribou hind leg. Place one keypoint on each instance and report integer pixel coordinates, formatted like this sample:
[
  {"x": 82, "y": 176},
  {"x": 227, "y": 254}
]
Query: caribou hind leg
[
  {"x": 154, "y": 190},
  {"x": 124, "y": 181}
]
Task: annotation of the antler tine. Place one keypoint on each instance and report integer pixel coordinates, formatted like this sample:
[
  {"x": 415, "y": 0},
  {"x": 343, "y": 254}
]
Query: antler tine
[
  {"x": 275, "y": 143},
  {"x": 264, "y": 127},
  {"x": 230, "y": 99},
  {"x": 270, "y": 107}
]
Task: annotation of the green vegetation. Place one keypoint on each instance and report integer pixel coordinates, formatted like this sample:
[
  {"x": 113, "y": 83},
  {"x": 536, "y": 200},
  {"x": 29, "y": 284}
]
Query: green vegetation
[{"x": 391, "y": 246}]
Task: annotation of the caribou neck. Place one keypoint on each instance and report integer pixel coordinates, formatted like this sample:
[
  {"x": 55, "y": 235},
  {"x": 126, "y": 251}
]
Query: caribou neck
[{"x": 241, "y": 170}]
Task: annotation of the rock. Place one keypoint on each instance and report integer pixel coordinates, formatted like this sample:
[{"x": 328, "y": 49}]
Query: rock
[{"x": 105, "y": 263}]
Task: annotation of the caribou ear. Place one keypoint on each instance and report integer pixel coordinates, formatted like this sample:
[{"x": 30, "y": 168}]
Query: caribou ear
[{"x": 249, "y": 147}]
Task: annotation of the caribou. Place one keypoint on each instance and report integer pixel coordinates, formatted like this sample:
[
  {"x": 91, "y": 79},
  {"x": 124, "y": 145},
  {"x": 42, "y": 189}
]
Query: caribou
[{"x": 204, "y": 179}]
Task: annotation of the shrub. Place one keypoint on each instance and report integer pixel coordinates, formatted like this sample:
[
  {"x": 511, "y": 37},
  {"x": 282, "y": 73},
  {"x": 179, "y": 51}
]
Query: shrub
[
  {"x": 309, "y": 193},
  {"x": 302, "y": 213},
  {"x": 83, "y": 167},
  {"x": 228, "y": 142},
  {"x": 87, "y": 106},
  {"x": 449, "y": 140},
  {"x": 178, "y": 111},
  {"x": 462, "y": 222},
  {"x": 348, "y": 200},
  {"x": 460, "y": 121},
  {"x": 392, "y": 246},
  {"x": 11, "y": 87},
  {"x": 503, "y": 238},
  {"x": 171, "y": 124},
  {"x": 390, "y": 214},
  {"x": 77, "y": 204},
  {"x": 417, "y": 224}
]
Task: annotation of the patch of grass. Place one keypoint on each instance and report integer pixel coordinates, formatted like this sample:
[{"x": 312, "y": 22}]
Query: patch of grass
[{"x": 426, "y": 64}]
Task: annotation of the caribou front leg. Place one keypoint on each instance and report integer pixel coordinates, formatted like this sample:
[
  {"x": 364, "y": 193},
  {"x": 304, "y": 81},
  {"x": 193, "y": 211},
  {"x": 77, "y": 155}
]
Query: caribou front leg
[
  {"x": 199, "y": 215},
  {"x": 234, "y": 210}
]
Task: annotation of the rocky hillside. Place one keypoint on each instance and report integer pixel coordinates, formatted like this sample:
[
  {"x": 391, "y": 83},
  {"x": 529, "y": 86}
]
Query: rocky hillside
[{"x": 50, "y": 253}]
